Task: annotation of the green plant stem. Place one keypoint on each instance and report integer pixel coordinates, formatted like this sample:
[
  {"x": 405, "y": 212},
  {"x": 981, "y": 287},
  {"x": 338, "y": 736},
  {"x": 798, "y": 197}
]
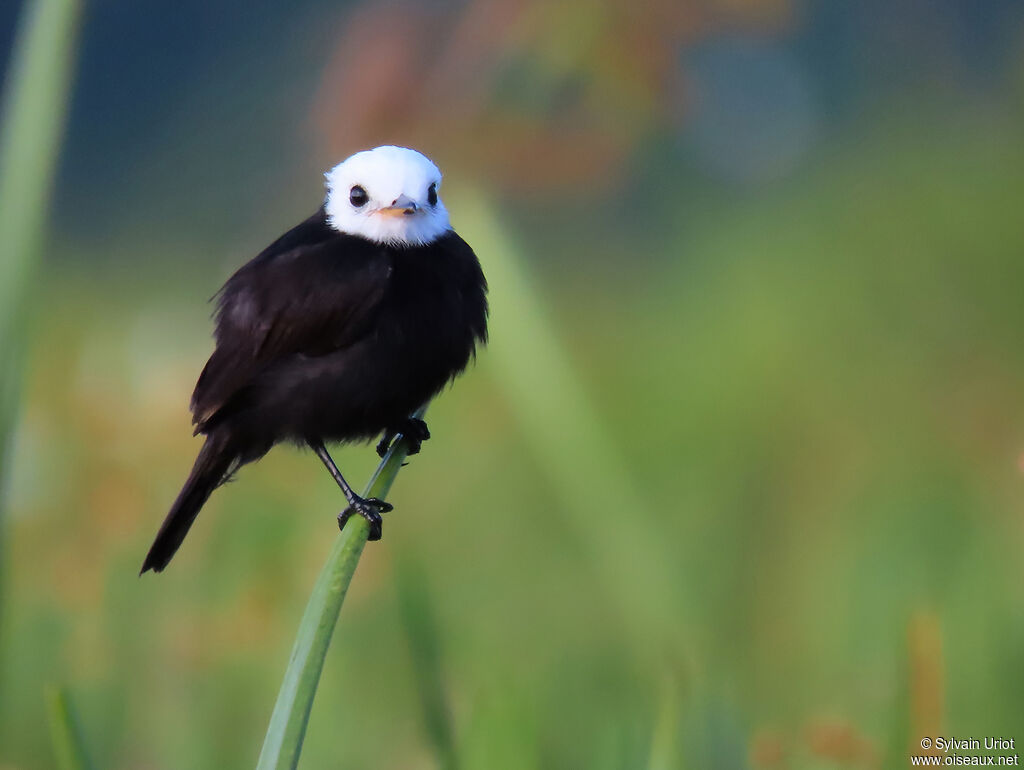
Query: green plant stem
[
  {"x": 566, "y": 431},
  {"x": 32, "y": 116},
  {"x": 31, "y": 124},
  {"x": 665, "y": 737},
  {"x": 283, "y": 742},
  {"x": 65, "y": 732},
  {"x": 421, "y": 631}
]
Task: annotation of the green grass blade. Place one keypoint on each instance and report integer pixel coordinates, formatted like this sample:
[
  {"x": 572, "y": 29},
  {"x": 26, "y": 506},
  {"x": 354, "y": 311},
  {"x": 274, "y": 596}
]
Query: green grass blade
[
  {"x": 565, "y": 430},
  {"x": 425, "y": 649},
  {"x": 34, "y": 108},
  {"x": 66, "y": 732},
  {"x": 665, "y": 754},
  {"x": 283, "y": 742},
  {"x": 32, "y": 116}
]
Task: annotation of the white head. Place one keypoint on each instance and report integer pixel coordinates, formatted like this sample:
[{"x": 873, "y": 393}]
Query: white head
[{"x": 388, "y": 195}]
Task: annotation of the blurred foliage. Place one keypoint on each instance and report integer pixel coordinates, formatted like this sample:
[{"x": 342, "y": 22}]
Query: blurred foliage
[
  {"x": 809, "y": 375},
  {"x": 817, "y": 401}
]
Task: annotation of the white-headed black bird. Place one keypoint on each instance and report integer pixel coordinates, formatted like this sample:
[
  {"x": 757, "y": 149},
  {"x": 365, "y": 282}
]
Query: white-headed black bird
[{"x": 338, "y": 331}]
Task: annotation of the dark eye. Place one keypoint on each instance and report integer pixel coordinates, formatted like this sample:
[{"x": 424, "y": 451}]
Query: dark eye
[
  {"x": 357, "y": 196},
  {"x": 432, "y": 194}
]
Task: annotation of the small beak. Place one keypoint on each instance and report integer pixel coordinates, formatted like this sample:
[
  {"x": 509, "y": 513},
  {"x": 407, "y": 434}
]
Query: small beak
[{"x": 403, "y": 206}]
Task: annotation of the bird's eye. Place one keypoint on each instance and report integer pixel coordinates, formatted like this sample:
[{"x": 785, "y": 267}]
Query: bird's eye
[
  {"x": 432, "y": 194},
  {"x": 357, "y": 196}
]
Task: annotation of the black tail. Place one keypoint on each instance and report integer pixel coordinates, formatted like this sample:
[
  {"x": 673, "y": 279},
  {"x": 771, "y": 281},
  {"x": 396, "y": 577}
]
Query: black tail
[{"x": 212, "y": 465}]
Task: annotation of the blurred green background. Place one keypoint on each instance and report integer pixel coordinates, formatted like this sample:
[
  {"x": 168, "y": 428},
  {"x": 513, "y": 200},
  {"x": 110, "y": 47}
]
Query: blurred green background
[{"x": 739, "y": 481}]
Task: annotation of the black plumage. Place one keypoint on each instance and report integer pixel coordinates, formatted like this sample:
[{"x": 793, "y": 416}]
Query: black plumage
[{"x": 327, "y": 337}]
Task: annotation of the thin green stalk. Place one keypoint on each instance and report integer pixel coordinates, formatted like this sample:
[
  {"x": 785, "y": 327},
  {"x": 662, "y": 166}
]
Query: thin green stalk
[
  {"x": 425, "y": 649},
  {"x": 566, "y": 431},
  {"x": 35, "y": 104},
  {"x": 665, "y": 753},
  {"x": 32, "y": 117},
  {"x": 66, "y": 732},
  {"x": 283, "y": 742}
]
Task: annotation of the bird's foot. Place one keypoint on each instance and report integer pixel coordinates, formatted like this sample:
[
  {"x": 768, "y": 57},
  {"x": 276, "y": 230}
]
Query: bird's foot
[
  {"x": 414, "y": 431},
  {"x": 370, "y": 509}
]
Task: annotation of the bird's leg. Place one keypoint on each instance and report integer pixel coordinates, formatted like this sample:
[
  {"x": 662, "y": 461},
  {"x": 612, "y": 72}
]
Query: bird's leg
[
  {"x": 369, "y": 508},
  {"x": 413, "y": 430}
]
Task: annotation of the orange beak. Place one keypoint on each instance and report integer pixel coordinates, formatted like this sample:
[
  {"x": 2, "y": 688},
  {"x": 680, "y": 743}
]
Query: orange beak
[{"x": 403, "y": 206}]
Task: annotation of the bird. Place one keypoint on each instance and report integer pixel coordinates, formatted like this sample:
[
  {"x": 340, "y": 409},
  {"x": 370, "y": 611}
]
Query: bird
[{"x": 337, "y": 332}]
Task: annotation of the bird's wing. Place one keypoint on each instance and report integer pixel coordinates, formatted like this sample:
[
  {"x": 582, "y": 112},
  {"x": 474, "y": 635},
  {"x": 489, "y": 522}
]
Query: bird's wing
[{"x": 309, "y": 293}]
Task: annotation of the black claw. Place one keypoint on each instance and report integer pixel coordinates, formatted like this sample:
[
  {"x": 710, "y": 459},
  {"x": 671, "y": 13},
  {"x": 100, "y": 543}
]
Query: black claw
[
  {"x": 370, "y": 509},
  {"x": 380, "y": 505},
  {"x": 414, "y": 431}
]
